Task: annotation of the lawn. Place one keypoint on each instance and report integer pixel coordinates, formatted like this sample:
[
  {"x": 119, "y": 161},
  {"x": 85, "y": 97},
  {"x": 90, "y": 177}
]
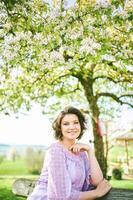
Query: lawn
[
  {"x": 17, "y": 167},
  {"x": 5, "y": 190},
  {"x": 124, "y": 184}
]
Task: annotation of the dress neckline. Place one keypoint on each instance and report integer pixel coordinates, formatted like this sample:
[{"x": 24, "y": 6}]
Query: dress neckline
[{"x": 68, "y": 152}]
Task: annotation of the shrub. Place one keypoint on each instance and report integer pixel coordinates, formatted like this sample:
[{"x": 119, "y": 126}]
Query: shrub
[
  {"x": 34, "y": 160},
  {"x": 1, "y": 159},
  {"x": 117, "y": 173},
  {"x": 13, "y": 154}
]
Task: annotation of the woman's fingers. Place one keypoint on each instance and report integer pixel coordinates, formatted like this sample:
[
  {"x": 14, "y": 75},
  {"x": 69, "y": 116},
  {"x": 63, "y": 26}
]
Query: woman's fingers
[
  {"x": 79, "y": 147},
  {"x": 75, "y": 149}
]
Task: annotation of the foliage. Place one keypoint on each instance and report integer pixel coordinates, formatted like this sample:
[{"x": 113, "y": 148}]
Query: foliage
[
  {"x": 1, "y": 159},
  {"x": 117, "y": 173},
  {"x": 118, "y": 152},
  {"x": 13, "y": 154},
  {"x": 34, "y": 160}
]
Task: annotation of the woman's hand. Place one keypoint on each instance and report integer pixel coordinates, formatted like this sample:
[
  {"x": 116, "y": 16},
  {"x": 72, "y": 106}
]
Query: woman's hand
[
  {"x": 102, "y": 188},
  {"x": 76, "y": 148}
]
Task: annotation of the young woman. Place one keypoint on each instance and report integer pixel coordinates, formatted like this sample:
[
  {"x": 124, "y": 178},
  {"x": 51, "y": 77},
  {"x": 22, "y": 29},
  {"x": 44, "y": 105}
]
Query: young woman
[{"x": 70, "y": 168}]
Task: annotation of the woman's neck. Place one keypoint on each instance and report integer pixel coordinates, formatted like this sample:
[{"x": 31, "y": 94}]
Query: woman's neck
[{"x": 67, "y": 143}]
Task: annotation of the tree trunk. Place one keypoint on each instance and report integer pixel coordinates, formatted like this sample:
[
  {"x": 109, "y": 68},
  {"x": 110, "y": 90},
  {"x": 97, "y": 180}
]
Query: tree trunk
[{"x": 98, "y": 140}]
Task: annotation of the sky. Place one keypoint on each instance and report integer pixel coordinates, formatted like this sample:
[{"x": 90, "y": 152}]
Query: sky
[{"x": 32, "y": 128}]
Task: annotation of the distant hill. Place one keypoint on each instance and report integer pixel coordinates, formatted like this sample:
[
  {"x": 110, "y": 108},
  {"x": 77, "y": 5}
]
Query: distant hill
[{"x": 5, "y": 148}]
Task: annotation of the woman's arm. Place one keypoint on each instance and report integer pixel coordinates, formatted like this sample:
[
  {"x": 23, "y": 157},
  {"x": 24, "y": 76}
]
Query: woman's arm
[
  {"x": 95, "y": 170},
  {"x": 102, "y": 188},
  {"x": 103, "y": 185}
]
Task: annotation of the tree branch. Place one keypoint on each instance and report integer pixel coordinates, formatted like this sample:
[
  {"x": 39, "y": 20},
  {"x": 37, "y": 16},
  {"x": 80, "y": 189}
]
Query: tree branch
[
  {"x": 126, "y": 95},
  {"x": 110, "y": 79},
  {"x": 59, "y": 78},
  {"x": 122, "y": 31},
  {"x": 116, "y": 98}
]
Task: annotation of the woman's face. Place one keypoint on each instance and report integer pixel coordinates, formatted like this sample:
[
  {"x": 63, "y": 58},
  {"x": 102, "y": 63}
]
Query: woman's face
[{"x": 70, "y": 127}]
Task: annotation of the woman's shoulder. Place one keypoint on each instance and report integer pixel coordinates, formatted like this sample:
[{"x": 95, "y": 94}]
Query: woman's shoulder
[
  {"x": 55, "y": 152},
  {"x": 55, "y": 147}
]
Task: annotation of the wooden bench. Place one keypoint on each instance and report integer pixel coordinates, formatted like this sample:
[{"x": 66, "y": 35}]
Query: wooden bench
[{"x": 23, "y": 187}]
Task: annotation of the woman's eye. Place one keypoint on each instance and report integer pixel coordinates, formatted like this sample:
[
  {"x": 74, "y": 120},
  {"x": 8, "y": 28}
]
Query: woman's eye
[
  {"x": 66, "y": 124},
  {"x": 76, "y": 122}
]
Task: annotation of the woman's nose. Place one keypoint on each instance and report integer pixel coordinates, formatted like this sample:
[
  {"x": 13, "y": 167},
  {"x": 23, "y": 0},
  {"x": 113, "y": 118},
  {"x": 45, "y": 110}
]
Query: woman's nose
[{"x": 72, "y": 126}]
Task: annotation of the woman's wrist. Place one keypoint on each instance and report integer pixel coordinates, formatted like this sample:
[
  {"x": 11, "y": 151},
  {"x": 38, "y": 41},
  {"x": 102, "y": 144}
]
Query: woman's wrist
[
  {"x": 90, "y": 151},
  {"x": 97, "y": 193},
  {"x": 92, "y": 194}
]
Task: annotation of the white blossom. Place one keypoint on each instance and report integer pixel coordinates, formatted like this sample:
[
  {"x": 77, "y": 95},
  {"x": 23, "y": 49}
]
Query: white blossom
[
  {"x": 88, "y": 45},
  {"x": 91, "y": 28},
  {"x": 104, "y": 18},
  {"x": 130, "y": 68},
  {"x": 119, "y": 11},
  {"x": 55, "y": 11},
  {"x": 44, "y": 54},
  {"x": 103, "y": 3},
  {"x": 108, "y": 57},
  {"x": 56, "y": 56},
  {"x": 10, "y": 39},
  {"x": 128, "y": 5},
  {"x": 38, "y": 36},
  {"x": 64, "y": 13},
  {"x": 75, "y": 34},
  {"x": 1, "y": 61},
  {"x": 16, "y": 73},
  {"x": 9, "y": 54}
]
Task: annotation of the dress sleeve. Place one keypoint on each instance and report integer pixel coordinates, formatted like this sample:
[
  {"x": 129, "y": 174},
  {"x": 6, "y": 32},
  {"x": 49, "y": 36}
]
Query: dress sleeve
[{"x": 59, "y": 182}]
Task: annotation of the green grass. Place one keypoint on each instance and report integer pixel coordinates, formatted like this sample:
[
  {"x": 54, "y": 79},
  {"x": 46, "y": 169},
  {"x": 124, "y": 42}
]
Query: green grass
[
  {"x": 17, "y": 167},
  {"x": 5, "y": 190},
  {"x": 6, "y": 183},
  {"x": 123, "y": 184}
]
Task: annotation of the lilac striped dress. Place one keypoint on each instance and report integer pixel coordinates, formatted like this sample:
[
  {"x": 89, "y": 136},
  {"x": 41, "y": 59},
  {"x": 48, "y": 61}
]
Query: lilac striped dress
[{"x": 63, "y": 176}]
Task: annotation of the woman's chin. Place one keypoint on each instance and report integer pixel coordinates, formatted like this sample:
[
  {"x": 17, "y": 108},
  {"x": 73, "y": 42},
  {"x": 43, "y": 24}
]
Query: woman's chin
[{"x": 72, "y": 138}]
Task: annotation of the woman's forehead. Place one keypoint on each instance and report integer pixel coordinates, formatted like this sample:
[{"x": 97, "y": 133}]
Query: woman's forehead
[{"x": 70, "y": 117}]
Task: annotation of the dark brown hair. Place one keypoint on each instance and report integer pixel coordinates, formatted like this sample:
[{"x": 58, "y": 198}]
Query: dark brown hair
[{"x": 68, "y": 110}]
